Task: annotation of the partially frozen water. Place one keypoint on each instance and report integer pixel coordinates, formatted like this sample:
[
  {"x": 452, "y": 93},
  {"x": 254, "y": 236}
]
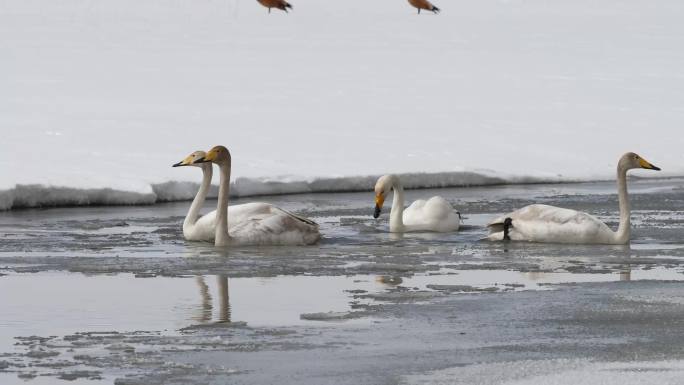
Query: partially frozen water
[
  {"x": 56, "y": 303},
  {"x": 59, "y": 303},
  {"x": 85, "y": 290},
  {"x": 99, "y": 98},
  {"x": 557, "y": 372}
]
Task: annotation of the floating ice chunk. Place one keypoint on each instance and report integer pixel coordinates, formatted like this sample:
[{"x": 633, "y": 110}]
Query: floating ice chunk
[{"x": 329, "y": 316}]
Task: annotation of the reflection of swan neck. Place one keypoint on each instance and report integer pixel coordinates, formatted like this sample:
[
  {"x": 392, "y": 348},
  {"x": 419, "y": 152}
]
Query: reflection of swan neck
[
  {"x": 224, "y": 298},
  {"x": 623, "y": 232},
  {"x": 197, "y": 203},
  {"x": 222, "y": 237},
  {"x": 397, "y": 210},
  {"x": 205, "y": 311},
  {"x": 626, "y": 275}
]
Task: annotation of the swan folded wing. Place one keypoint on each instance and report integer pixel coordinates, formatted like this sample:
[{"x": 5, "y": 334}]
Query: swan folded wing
[
  {"x": 250, "y": 210},
  {"x": 438, "y": 207},
  {"x": 247, "y": 210},
  {"x": 537, "y": 213},
  {"x": 435, "y": 214},
  {"x": 297, "y": 217},
  {"x": 422, "y": 211},
  {"x": 273, "y": 226}
]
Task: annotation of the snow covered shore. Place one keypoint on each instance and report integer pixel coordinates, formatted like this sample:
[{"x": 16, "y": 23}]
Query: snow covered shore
[
  {"x": 99, "y": 98},
  {"x": 26, "y": 196}
]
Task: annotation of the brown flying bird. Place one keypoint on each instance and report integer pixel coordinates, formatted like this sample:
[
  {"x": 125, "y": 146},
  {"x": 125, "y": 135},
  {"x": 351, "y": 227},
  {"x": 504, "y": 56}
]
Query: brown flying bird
[
  {"x": 280, "y": 4},
  {"x": 423, "y": 4}
]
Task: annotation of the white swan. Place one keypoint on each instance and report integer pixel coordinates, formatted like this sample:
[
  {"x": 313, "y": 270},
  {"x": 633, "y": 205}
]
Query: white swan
[
  {"x": 543, "y": 223},
  {"x": 255, "y": 223},
  {"x": 196, "y": 228},
  {"x": 435, "y": 214}
]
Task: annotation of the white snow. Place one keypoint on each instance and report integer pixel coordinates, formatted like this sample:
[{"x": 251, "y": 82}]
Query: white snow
[{"x": 100, "y": 97}]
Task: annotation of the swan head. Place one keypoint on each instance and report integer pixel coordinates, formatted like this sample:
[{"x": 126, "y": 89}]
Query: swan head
[
  {"x": 191, "y": 160},
  {"x": 218, "y": 155},
  {"x": 382, "y": 188},
  {"x": 631, "y": 161}
]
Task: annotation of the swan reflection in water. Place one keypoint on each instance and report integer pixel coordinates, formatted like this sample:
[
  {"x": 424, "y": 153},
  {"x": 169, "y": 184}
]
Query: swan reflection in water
[{"x": 206, "y": 309}]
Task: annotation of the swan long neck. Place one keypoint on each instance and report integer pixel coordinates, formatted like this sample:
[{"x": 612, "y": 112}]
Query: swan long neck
[
  {"x": 222, "y": 236},
  {"x": 193, "y": 213},
  {"x": 623, "y": 232},
  {"x": 397, "y": 211}
]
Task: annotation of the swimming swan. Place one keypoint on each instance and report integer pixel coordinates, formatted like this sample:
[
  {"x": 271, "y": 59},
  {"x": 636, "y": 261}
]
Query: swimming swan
[
  {"x": 196, "y": 228},
  {"x": 543, "y": 223},
  {"x": 255, "y": 223},
  {"x": 435, "y": 214}
]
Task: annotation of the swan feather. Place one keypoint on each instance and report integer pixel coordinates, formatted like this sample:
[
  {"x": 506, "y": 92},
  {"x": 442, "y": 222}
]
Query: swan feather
[
  {"x": 434, "y": 214},
  {"x": 544, "y": 223}
]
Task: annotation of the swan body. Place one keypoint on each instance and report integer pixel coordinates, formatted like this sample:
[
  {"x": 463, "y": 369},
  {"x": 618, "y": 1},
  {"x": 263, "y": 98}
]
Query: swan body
[
  {"x": 265, "y": 224},
  {"x": 239, "y": 216},
  {"x": 434, "y": 214},
  {"x": 254, "y": 224},
  {"x": 550, "y": 224},
  {"x": 203, "y": 228},
  {"x": 544, "y": 223}
]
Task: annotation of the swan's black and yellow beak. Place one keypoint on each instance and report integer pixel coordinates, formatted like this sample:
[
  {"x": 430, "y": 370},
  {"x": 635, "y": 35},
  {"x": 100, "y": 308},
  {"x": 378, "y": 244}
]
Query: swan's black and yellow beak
[
  {"x": 185, "y": 162},
  {"x": 644, "y": 164},
  {"x": 379, "y": 200},
  {"x": 202, "y": 160}
]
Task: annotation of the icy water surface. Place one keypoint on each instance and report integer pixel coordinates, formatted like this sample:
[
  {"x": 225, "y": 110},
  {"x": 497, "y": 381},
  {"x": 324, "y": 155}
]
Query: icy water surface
[{"x": 105, "y": 293}]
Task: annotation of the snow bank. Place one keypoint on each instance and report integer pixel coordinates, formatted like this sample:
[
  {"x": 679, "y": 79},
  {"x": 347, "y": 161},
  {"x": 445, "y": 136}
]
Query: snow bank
[
  {"x": 26, "y": 196},
  {"x": 244, "y": 187},
  {"x": 100, "y": 97}
]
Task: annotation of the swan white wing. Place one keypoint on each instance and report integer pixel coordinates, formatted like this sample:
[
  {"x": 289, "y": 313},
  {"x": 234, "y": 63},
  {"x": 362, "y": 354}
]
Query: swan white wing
[
  {"x": 265, "y": 224},
  {"x": 435, "y": 214},
  {"x": 544, "y": 223},
  {"x": 205, "y": 227}
]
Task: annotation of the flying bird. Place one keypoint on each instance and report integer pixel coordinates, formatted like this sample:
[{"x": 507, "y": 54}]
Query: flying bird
[
  {"x": 279, "y": 4},
  {"x": 422, "y": 4}
]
